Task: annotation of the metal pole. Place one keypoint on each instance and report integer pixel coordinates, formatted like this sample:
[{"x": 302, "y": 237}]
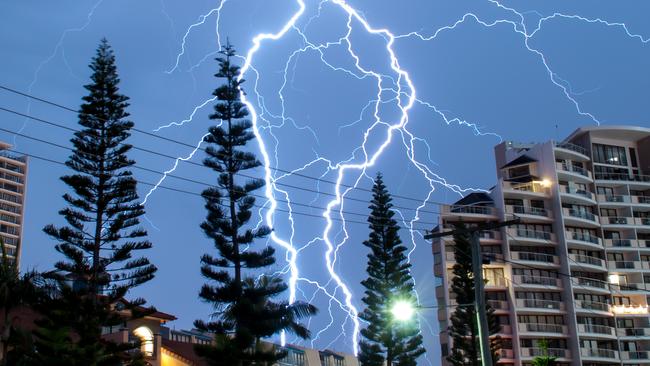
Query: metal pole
[{"x": 479, "y": 294}]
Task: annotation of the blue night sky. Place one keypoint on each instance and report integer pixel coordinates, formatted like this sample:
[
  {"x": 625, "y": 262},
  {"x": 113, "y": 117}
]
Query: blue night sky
[{"x": 481, "y": 70}]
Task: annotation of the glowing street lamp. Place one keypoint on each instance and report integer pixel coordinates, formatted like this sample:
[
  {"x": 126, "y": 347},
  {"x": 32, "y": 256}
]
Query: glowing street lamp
[{"x": 403, "y": 310}]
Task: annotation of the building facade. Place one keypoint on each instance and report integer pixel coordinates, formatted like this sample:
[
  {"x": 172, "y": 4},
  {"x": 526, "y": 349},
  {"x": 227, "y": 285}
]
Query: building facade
[
  {"x": 13, "y": 175},
  {"x": 575, "y": 272}
]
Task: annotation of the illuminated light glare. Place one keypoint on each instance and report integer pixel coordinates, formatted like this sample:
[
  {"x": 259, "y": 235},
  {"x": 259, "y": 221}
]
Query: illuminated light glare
[
  {"x": 402, "y": 310},
  {"x": 630, "y": 309},
  {"x": 614, "y": 279},
  {"x": 146, "y": 338}
]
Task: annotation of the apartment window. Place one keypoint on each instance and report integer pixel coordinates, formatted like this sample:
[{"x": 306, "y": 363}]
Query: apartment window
[
  {"x": 534, "y": 272},
  {"x": 611, "y": 212},
  {"x": 608, "y": 154},
  {"x": 519, "y": 171},
  {"x": 621, "y": 300},
  {"x": 552, "y": 296},
  {"x": 537, "y": 203},
  {"x": 605, "y": 191},
  {"x": 294, "y": 357},
  {"x": 495, "y": 295},
  {"x": 493, "y": 275},
  {"x": 633, "y": 157},
  {"x": 625, "y": 323},
  {"x": 592, "y": 297},
  {"x": 541, "y": 319}
]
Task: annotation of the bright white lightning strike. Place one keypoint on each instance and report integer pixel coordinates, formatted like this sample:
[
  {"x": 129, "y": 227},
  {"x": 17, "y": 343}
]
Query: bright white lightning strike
[{"x": 405, "y": 100}]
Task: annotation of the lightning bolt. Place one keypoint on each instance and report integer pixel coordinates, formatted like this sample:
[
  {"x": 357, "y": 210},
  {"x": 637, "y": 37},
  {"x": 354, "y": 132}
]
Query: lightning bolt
[
  {"x": 398, "y": 89},
  {"x": 58, "y": 47}
]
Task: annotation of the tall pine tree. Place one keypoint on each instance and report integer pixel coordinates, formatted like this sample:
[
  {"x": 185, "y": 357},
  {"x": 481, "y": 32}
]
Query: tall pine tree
[
  {"x": 464, "y": 326},
  {"x": 387, "y": 341},
  {"x": 240, "y": 293},
  {"x": 102, "y": 236}
]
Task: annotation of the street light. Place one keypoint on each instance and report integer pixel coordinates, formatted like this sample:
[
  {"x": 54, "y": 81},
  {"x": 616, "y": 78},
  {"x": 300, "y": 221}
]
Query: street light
[{"x": 403, "y": 310}]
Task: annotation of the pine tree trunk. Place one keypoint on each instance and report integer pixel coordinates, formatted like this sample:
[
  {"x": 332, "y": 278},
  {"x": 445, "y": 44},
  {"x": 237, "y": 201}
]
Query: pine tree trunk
[{"x": 99, "y": 220}]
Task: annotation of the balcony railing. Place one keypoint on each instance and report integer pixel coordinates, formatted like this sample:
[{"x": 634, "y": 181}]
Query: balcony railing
[
  {"x": 643, "y": 221},
  {"x": 12, "y": 156},
  {"x": 635, "y": 355},
  {"x": 580, "y": 214},
  {"x": 524, "y": 210},
  {"x": 578, "y": 192},
  {"x": 592, "y": 305},
  {"x": 624, "y": 265},
  {"x": 641, "y": 200},
  {"x": 533, "y": 234},
  {"x": 535, "y": 257},
  {"x": 623, "y": 177},
  {"x": 533, "y": 187},
  {"x": 475, "y": 210},
  {"x": 552, "y": 352},
  {"x": 633, "y": 332},
  {"x": 573, "y": 235},
  {"x": 621, "y": 243},
  {"x": 540, "y": 304},
  {"x": 585, "y": 259},
  {"x": 599, "y": 353},
  {"x": 495, "y": 282},
  {"x": 589, "y": 282},
  {"x": 542, "y": 328},
  {"x": 537, "y": 280},
  {"x": 615, "y": 220},
  {"x": 498, "y": 304},
  {"x": 596, "y": 329},
  {"x": 572, "y": 147},
  {"x": 613, "y": 198},
  {"x": 573, "y": 169}
]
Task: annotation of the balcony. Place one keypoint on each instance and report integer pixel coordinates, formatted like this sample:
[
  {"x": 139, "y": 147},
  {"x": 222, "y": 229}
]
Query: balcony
[
  {"x": 506, "y": 354},
  {"x": 635, "y": 355},
  {"x": 535, "y": 189},
  {"x": 613, "y": 200},
  {"x": 582, "y": 238},
  {"x": 630, "y": 310},
  {"x": 587, "y": 261},
  {"x": 539, "y": 258},
  {"x": 615, "y": 220},
  {"x": 590, "y": 284},
  {"x": 631, "y": 287},
  {"x": 591, "y": 306},
  {"x": 596, "y": 329},
  {"x": 599, "y": 353},
  {"x": 642, "y": 221},
  {"x": 578, "y": 174},
  {"x": 641, "y": 200},
  {"x": 572, "y": 149},
  {"x": 462, "y": 210},
  {"x": 625, "y": 265},
  {"x": 578, "y": 217},
  {"x": 540, "y": 304},
  {"x": 575, "y": 195},
  {"x": 633, "y": 332},
  {"x": 530, "y": 352},
  {"x": 621, "y": 243},
  {"x": 542, "y": 328},
  {"x": 498, "y": 304},
  {"x": 532, "y": 235},
  {"x": 532, "y": 212},
  {"x": 495, "y": 282},
  {"x": 526, "y": 280},
  {"x": 623, "y": 178}
]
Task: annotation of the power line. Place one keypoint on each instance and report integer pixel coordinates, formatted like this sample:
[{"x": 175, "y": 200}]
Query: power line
[
  {"x": 199, "y": 195},
  {"x": 195, "y": 163},
  {"x": 199, "y": 182},
  {"x": 193, "y": 146}
]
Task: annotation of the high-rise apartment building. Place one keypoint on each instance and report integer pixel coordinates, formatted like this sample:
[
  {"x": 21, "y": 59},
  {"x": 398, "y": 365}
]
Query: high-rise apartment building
[
  {"x": 575, "y": 272},
  {"x": 13, "y": 172}
]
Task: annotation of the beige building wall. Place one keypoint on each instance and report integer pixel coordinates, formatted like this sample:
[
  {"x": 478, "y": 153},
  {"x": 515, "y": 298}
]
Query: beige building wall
[{"x": 13, "y": 175}]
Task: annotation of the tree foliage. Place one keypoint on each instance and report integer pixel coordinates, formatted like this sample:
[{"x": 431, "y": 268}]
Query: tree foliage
[
  {"x": 102, "y": 235},
  {"x": 387, "y": 341},
  {"x": 464, "y": 325},
  {"x": 241, "y": 294}
]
